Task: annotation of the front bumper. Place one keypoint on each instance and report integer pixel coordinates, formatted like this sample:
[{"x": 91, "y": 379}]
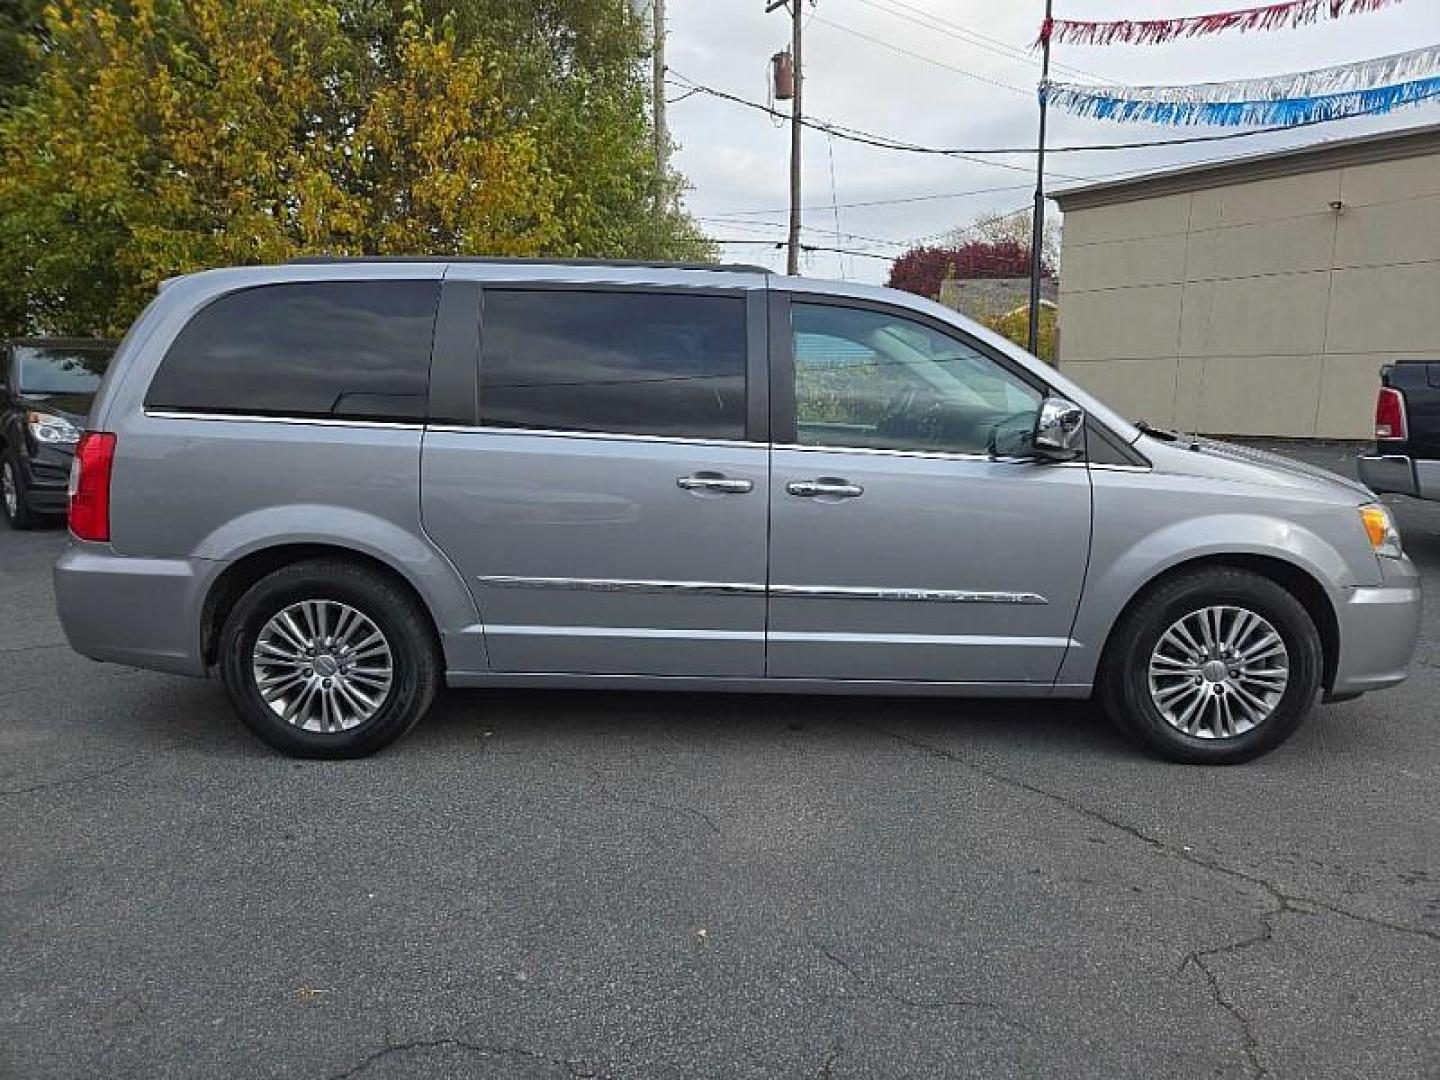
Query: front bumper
[
  {"x": 1399, "y": 474},
  {"x": 135, "y": 611},
  {"x": 1379, "y": 628},
  {"x": 47, "y": 476}
]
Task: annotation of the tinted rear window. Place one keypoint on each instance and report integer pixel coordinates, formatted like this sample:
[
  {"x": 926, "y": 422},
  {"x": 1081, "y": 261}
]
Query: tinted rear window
[
  {"x": 354, "y": 350},
  {"x": 623, "y": 362}
]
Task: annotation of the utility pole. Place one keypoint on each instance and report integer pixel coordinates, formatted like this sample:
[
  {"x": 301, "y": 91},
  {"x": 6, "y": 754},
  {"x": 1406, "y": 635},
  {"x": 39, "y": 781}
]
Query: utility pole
[
  {"x": 1037, "y": 231},
  {"x": 662, "y": 134},
  {"x": 792, "y": 260}
]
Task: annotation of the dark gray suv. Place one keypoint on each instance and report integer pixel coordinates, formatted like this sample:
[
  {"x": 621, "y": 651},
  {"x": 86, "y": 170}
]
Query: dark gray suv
[
  {"x": 342, "y": 485},
  {"x": 47, "y": 386}
]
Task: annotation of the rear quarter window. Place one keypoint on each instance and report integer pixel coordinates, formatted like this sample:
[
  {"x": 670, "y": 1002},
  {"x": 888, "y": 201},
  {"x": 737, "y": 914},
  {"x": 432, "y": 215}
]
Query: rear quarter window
[{"x": 352, "y": 350}]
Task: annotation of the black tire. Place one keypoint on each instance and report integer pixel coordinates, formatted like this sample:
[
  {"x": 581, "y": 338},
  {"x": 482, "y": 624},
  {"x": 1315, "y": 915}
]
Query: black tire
[
  {"x": 407, "y": 629},
  {"x": 19, "y": 516},
  {"x": 1124, "y": 687}
]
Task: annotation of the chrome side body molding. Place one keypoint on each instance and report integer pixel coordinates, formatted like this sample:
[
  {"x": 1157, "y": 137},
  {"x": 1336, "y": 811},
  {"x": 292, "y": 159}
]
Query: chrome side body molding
[{"x": 726, "y": 588}]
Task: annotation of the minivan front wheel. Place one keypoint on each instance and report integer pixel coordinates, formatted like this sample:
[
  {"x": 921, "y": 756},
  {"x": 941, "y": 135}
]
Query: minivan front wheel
[
  {"x": 1213, "y": 667},
  {"x": 13, "y": 500},
  {"x": 328, "y": 659}
]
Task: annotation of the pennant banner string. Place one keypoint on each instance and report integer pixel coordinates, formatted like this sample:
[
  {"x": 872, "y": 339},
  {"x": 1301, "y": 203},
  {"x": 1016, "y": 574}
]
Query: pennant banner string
[
  {"x": 1278, "y": 16},
  {"x": 1109, "y": 103},
  {"x": 1382, "y": 71}
]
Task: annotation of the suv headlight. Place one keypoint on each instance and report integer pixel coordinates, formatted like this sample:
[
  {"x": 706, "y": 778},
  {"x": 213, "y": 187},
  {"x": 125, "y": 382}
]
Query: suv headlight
[
  {"x": 1380, "y": 528},
  {"x": 51, "y": 429}
]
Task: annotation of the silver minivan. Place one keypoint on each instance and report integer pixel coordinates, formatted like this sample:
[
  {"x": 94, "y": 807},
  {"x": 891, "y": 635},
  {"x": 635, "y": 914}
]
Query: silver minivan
[{"x": 343, "y": 484}]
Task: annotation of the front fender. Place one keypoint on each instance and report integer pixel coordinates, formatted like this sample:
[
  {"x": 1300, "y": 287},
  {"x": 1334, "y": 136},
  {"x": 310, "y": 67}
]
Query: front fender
[{"x": 1123, "y": 565}]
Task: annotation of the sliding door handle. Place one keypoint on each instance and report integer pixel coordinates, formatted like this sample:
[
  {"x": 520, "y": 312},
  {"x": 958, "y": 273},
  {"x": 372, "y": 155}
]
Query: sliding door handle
[
  {"x": 825, "y": 487},
  {"x": 715, "y": 482}
]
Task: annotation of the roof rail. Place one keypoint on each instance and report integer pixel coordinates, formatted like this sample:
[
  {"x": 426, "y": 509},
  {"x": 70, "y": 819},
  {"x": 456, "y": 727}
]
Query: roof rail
[{"x": 313, "y": 260}]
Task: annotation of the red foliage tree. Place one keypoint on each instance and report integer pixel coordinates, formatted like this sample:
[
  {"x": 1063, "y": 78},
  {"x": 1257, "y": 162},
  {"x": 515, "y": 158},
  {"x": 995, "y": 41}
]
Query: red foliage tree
[{"x": 922, "y": 269}]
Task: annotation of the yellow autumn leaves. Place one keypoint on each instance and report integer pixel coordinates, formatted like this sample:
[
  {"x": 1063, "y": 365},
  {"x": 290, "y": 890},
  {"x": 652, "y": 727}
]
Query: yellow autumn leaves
[{"x": 184, "y": 134}]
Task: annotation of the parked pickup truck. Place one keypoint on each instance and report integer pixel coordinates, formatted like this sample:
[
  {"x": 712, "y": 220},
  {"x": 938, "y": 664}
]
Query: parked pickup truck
[{"x": 1406, "y": 460}]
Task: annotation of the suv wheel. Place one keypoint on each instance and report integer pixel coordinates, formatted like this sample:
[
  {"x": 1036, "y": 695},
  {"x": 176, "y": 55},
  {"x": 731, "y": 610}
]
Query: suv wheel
[
  {"x": 13, "y": 500},
  {"x": 1213, "y": 668},
  {"x": 328, "y": 660}
]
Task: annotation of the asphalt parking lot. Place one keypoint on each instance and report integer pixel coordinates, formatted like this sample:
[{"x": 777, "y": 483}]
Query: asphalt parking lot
[{"x": 582, "y": 884}]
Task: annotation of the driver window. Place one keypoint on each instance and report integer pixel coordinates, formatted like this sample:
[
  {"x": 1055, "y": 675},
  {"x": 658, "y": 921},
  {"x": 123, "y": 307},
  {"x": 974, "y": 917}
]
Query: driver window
[{"x": 877, "y": 381}]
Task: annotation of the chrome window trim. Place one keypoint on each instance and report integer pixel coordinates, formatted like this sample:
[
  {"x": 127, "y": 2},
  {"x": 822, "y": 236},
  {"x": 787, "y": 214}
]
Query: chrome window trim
[
  {"x": 938, "y": 455},
  {"x": 551, "y": 433},
  {"x": 316, "y": 421},
  {"x": 723, "y": 588}
]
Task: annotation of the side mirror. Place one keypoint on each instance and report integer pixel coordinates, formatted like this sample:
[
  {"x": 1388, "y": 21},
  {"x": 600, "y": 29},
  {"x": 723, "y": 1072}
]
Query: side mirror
[{"x": 1059, "y": 430}]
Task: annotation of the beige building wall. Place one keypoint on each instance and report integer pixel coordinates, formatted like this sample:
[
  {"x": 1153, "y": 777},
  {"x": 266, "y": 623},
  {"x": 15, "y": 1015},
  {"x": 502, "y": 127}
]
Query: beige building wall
[{"x": 1255, "y": 307}]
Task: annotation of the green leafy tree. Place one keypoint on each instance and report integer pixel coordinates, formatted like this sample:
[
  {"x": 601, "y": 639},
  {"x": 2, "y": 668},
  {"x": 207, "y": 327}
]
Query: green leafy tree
[
  {"x": 1015, "y": 325},
  {"x": 21, "y": 32},
  {"x": 164, "y": 136}
]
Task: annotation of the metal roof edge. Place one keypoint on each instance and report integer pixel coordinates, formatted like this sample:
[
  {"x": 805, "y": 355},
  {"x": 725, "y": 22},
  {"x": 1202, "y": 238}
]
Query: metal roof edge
[{"x": 1313, "y": 157}]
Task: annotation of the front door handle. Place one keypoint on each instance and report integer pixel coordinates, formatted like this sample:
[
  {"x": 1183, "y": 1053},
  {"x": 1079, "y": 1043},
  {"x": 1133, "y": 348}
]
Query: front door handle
[
  {"x": 707, "y": 481},
  {"x": 825, "y": 487}
]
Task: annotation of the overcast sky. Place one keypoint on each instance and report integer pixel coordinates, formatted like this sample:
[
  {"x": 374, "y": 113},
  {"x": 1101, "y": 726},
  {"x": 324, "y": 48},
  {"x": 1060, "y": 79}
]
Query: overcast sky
[{"x": 858, "y": 73}]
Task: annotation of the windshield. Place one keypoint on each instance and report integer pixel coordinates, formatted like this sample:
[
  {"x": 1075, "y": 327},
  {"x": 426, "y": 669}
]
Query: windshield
[{"x": 70, "y": 371}]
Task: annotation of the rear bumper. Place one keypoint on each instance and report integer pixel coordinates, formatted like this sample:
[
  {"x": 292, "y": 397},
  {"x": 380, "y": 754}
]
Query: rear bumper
[
  {"x": 1379, "y": 628},
  {"x": 140, "y": 612},
  {"x": 1399, "y": 474}
]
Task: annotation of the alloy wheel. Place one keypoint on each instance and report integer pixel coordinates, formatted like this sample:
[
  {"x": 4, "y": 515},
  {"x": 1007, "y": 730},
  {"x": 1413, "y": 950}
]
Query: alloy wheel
[
  {"x": 1219, "y": 672},
  {"x": 322, "y": 666},
  {"x": 9, "y": 490}
]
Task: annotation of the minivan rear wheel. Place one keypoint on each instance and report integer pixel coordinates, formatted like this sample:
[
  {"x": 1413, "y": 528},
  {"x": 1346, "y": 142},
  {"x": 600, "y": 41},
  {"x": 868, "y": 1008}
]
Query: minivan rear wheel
[
  {"x": 1213, "y": 667},
  {"x": 327, "y": 659}
]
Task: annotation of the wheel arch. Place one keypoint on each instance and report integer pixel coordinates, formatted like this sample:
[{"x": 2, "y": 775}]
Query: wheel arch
[
  {"x": 1293, "y": 578},
  {"x": 233, "y": 582}
]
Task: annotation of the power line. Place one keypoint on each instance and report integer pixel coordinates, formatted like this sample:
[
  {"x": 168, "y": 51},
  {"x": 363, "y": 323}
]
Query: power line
[
  {"x": 924, "y": 19},
  {"x": 883, "y": 142},
  {"x": 951, "y": 233},
  {"x": 779, "y": 245},
  {"x": 856, "y": 135},
  {"x": 923, "y": 58},
  {"x": 877, "y": 202}
]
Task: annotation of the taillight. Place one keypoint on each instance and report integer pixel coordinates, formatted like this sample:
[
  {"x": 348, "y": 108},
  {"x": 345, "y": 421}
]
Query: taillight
[
  {"x": 90, "y": 486},
  {"x": 1390, "y": 414}
]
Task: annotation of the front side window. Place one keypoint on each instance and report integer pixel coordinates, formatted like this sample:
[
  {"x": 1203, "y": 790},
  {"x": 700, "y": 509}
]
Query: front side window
[
  {"x": 872, "y": 380},
  {"x": 356, "y": 350},
  {"x": 636, "y": 363}
]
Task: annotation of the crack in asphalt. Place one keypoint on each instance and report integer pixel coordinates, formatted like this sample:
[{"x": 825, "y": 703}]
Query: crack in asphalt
[
  {"x": 34, "y": 648},
  {"x": 827, "y": 1067},
  {"x": 1250, "y": 1042},
  {"x": 577, "y": 1069},
  {"x": 1281, "y": 902},
  {"x": 884, "y": 989},
  {"x": 654, "y": 804},
  {"x": 1284, "y": 901},
  {"x": 699, "y": 815},
  {"x": 66, "y": 781}
]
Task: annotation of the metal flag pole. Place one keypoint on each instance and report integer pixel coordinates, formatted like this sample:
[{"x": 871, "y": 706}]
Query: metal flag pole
[{"x": 1037, "y": 231}]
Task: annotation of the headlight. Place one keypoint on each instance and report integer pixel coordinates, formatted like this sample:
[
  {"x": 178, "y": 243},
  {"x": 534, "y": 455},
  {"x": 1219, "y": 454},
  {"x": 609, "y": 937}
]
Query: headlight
[
  {"x": 51, "y": 429},
  {"x": 1380, "y": 528}
]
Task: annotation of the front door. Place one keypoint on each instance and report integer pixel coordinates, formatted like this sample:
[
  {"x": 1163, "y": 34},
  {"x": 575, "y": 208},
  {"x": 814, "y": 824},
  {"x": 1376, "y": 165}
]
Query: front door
[
  {"x": 905, "y": 543},
  {"x": 608, "y": 510}
]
